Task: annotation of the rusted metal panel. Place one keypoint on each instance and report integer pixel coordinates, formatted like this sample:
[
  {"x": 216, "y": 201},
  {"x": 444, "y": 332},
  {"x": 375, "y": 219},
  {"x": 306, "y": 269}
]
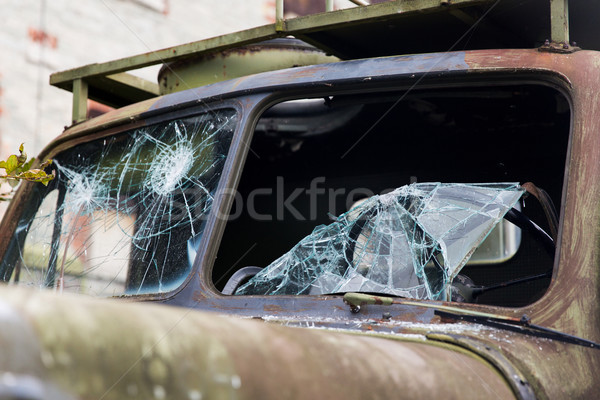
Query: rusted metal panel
[
  {"x": 112, "y": 350},
  {"x": 567, "y": 304}
]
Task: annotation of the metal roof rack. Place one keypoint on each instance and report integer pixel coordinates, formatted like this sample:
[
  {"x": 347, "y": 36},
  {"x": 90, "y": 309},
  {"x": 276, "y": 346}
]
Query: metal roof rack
[{"x": 394, "y": 27}]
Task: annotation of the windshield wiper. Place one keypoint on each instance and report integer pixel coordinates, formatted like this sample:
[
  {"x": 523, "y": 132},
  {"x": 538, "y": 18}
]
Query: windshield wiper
[
  {"x": 470, "y": 292},
  {"x": 520, "y": 325}
]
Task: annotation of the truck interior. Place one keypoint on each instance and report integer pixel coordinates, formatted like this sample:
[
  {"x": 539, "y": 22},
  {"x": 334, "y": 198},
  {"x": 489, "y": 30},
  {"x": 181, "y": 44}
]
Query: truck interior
[{"x": 320, "y": 156}]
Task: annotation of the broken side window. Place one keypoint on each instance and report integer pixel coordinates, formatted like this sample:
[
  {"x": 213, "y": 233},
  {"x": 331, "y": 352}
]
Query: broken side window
[
  {"x": 124, "y": 211},
  {"x": 411, "y": 242}
]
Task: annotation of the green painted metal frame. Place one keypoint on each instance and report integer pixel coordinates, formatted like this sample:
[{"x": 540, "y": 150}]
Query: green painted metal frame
[
  {"x": 559, "y": 24},
  {"x": 110, "y": 84}
]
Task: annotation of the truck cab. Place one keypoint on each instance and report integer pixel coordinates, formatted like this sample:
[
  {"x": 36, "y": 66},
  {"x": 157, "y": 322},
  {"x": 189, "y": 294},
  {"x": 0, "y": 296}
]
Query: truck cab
[{"x": 341, "y": 195}]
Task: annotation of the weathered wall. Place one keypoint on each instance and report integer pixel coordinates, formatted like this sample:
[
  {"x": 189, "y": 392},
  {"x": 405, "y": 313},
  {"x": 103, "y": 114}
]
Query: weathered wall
[{"x": 38, "y": 37}]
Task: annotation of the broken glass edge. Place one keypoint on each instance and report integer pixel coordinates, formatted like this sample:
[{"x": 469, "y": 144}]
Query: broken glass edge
[{"x": 392, "y": 243}]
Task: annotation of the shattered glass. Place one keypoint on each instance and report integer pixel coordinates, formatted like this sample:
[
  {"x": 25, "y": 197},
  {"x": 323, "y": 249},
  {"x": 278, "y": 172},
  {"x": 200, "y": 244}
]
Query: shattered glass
[
  {"x": 125, "y": 212},
  {"x": 411, "y": 243}
]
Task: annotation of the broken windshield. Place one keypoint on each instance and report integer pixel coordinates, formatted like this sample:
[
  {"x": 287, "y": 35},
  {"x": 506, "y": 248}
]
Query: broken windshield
[
  {"x": 125, "y": 211},
  {"x": 411, "y": 242}
]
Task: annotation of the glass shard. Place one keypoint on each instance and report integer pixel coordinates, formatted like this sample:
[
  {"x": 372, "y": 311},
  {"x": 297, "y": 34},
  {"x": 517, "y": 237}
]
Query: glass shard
[
  {"x": 123, "y": 210},
  {"x": 411, "y": 243}
]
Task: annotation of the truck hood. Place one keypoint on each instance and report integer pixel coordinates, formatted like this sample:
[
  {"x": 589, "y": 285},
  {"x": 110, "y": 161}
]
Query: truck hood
[{"x": 70, "y": 346}]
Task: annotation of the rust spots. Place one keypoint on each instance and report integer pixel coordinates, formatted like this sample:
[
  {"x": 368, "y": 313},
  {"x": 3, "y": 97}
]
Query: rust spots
[
  {"x": 96, "y": 109},
  {"x": 42, "y": 37},
  {"x": 199, "y": 295},
  {"x": 273, "y": 308}
]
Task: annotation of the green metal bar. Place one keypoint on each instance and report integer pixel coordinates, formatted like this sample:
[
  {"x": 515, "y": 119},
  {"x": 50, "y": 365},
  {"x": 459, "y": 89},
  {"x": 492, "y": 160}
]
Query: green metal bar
[
  {"x": 322, "y": 22},
  {"x": 121, "y": 88},
  {"x": 135, "y": 82},
  {"x": 63, "y": 79},
  {"x": 279, "y": 21},
  {"x": 376, "y": 12},
  {"x": 126, "y": 91},
  {"x": 80, "y": 97},
  {"x": 559, "y": 21},
  {"x": 328, "y": 5}
]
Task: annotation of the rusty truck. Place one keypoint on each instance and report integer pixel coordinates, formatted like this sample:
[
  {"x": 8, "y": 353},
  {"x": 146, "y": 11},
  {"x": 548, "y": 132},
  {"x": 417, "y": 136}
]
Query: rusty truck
[{"x": 396, "y": 200}]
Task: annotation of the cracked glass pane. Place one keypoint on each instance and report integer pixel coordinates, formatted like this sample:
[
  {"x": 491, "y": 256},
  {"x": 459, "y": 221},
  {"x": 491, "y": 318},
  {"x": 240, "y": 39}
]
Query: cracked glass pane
[
  {"x": 411, "y": 242},
  {"x": 125, "y": 212}
]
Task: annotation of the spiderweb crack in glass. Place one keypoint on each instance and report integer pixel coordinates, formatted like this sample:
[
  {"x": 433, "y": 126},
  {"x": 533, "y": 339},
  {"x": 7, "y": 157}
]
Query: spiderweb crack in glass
[
  {"x": 123, "y": 210},
  {"x": 411, "y": 242},
  {"x": 171, "y": 165}
]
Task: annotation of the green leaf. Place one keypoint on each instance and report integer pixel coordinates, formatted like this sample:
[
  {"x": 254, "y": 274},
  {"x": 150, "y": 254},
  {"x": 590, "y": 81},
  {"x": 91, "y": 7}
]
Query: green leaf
[
  {"x": 44, "y": 164},
  {"x": 24, "y": 167},
  {"x": 36, "y": 175},
  {"x": 18, "y": 168},
  {"x": 11, "y": 164},
  {"x": 29, "y": 163},
  {"x": 32, "y": 175},
  {"x": 22, "y": 159}
]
